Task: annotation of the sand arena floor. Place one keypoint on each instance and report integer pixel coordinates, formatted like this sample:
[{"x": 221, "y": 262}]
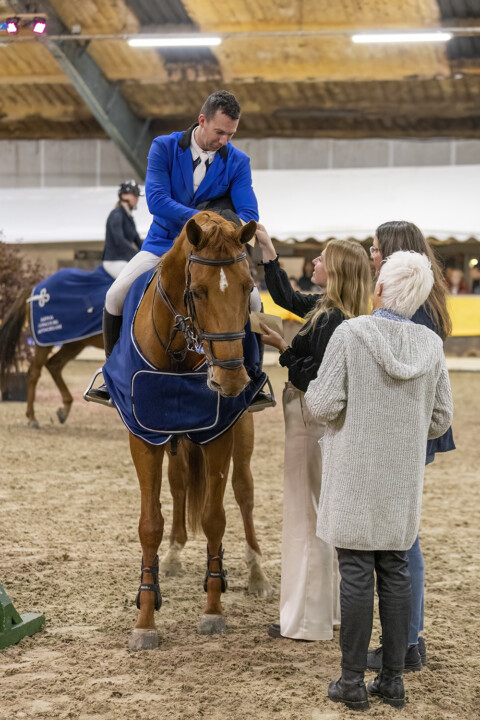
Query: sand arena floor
[{"x": 69, "y": 548}]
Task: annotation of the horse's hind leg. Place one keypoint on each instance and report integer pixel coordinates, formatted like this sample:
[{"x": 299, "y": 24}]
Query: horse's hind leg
[
  {"x": 217, "y": 455},
  {"x": 242, "y": 482},
  {"x": 55, "y": 366},
  {"x": 34, "y": 372},
  {"x": 148, "y": 464},
  {"x": 178, "y": 477}
]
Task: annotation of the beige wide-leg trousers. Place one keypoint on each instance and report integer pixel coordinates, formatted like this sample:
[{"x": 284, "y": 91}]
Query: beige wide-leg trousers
[{"x": 309, "y": 596}]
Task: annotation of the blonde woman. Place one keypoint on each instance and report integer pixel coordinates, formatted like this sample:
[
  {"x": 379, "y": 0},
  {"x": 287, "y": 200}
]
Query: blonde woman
[{"x": 309, "y": 597}]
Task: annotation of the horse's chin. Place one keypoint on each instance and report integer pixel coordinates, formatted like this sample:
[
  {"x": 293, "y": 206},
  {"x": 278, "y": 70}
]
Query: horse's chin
[{"x": 228, "y": 389}]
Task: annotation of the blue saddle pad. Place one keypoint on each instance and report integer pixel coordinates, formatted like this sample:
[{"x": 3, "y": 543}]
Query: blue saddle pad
[
  {"x": 68, "y": 305},
  {"x": 156, "y": 405}
]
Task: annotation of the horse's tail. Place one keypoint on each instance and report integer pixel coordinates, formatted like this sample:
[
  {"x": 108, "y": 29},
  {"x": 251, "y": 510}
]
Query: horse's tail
[
  {"x": 196, "y": 486},
  {"x": 10, "y": 332}
]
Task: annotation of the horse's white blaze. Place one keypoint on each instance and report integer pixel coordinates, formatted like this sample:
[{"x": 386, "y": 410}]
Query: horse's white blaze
[{"x": 223, "y": 280}]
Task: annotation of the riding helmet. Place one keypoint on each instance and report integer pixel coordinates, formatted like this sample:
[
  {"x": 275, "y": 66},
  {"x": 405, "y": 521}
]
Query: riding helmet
[{"x": 129, "y": 186}]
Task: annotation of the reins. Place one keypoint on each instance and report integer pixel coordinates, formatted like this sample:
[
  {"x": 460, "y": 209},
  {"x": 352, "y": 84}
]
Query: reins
[{"x": 189, "y": 326}]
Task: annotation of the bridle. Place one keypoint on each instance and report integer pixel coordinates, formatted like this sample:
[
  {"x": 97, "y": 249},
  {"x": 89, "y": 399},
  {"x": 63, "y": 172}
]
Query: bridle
[{"x": 189, "y": 325}]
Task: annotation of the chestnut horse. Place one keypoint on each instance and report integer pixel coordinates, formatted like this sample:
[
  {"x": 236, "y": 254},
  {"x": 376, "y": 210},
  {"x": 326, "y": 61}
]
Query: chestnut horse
[
  {"x": 10, "y": 333},
  {"x": 207, "y": 269}
]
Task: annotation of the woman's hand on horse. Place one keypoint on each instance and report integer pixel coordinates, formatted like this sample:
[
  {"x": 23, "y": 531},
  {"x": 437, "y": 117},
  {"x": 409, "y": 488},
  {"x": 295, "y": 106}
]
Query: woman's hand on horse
[{"x": 265, "y": 243}]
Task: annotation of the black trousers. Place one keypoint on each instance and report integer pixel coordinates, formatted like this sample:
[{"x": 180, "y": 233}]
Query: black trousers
[{"x": 356, "y": 601}]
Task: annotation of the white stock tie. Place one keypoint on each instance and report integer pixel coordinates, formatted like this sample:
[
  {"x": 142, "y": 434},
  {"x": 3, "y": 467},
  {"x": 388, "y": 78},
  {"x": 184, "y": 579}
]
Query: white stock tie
[{"x": 200, "y": 167}]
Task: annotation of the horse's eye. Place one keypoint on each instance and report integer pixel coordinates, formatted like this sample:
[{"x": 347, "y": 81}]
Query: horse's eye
[{"x": 199, "y": 293}]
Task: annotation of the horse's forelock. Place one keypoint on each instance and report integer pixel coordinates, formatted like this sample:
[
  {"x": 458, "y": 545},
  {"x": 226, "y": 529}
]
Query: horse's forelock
[{"x": 218, "y": 234}]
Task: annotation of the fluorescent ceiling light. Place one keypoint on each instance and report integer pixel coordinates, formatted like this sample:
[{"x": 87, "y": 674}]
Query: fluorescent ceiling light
[
  {"x": 185, "y": 41},
  {"x": 406, "y": 37}
]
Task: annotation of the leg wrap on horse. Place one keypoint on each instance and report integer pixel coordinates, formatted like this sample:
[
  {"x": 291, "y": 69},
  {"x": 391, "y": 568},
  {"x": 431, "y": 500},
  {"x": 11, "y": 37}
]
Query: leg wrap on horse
[
  {"x": 150, "y": 587},
  {"x": 220, "y": 573}
]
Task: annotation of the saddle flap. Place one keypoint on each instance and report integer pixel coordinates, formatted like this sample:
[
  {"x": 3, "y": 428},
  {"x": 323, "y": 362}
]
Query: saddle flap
[{"x": 173, "y": 403}]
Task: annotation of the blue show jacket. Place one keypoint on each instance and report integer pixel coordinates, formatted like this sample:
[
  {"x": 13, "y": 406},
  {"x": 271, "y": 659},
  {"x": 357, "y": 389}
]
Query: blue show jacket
[{"x": 169, "y": 187}]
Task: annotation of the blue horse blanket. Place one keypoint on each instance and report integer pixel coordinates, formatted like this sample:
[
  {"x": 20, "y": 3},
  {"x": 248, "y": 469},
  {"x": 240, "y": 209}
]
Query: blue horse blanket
[
  {"x": 156, "y": 405},
  {"x": 68, "y": 305}
]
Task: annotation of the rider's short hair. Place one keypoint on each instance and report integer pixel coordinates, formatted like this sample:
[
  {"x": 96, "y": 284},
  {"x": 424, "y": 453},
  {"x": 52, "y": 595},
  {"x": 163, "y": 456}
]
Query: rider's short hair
[{"x": 223, "y": 101}]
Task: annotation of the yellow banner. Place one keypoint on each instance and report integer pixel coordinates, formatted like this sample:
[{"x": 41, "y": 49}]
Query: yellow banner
[{"x": 464, "y": 311}]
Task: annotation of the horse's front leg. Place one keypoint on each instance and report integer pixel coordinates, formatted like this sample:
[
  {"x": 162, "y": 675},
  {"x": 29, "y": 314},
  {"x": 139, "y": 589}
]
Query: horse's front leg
[
  {"x": 217, "y": 455},
  {"x": 242, "y": 482},
  {"x": 148, "y": 464},
  {"x": 177, "y": 477}
]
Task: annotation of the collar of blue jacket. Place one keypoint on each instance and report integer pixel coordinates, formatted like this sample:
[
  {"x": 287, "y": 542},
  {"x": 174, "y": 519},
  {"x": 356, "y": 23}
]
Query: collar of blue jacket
[{"x": 186, "y": 139}]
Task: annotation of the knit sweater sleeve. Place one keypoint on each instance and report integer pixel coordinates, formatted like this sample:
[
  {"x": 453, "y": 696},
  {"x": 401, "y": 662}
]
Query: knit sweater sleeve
[
  {"x": 443, "y": 406},
  {"x": 326, "y": 396}
]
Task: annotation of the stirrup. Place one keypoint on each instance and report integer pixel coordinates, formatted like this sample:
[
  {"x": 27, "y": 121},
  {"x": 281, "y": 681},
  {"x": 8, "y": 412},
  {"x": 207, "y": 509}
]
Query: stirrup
[
  {"x": 89, "y": 394},
  {"x": 267, "y": 401}
]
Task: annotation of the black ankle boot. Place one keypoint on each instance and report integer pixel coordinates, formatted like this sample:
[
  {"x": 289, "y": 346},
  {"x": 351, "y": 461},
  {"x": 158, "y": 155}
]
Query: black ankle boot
[
  {"x": 415, "y": 657},
  {"x": 389, "y": 686},
  {"x": 350, "y": 690}
]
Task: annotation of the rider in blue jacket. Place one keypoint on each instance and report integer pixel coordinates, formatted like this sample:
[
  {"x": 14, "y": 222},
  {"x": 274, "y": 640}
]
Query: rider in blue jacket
[{"x": 187, "y": 172}]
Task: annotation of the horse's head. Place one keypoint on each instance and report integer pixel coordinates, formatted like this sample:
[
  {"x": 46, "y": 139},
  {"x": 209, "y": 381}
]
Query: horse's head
[{"x": 218, "y": 286}]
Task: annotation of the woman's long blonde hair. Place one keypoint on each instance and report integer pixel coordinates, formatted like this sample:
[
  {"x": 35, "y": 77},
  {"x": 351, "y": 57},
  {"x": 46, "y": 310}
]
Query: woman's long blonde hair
[
  {"x": 349, "y": 282},
  {"x": 403, "y": 235}
]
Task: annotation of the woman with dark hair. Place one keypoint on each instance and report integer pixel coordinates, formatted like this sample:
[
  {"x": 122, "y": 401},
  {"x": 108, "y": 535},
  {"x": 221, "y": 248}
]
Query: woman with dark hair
[{"x": 390, "y": 237}]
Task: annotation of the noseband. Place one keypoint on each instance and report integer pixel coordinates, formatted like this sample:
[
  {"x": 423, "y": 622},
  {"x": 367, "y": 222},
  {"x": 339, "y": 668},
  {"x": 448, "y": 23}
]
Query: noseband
[{"x": 194, "y": 333}]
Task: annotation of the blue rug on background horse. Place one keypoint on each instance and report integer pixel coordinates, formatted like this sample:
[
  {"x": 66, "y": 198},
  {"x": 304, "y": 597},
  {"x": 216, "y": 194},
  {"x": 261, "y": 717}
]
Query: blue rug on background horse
[
  {"x": 156, "y": 405},
  {"x": 68, "y": 305}
]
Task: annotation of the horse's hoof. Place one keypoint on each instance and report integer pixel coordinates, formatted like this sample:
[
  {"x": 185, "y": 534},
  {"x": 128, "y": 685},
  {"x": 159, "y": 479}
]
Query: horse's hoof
[
  {"x": 33, "y": 424},
  {"x": 143, "y": 639},
  {"x": 62, "y": 415},
  {"x": 212, "y": 625},
  {"x": 171, "y": 569},
  {"x": 260, "y": 587}
]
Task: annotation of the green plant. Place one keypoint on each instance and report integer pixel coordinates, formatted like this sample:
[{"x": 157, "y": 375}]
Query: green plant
[{"x": 17, "y": 274}]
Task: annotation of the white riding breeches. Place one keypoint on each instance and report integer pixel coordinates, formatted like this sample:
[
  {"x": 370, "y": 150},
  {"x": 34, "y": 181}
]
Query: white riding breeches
[
  {"x": 139, "y": 264},
  {"x": 114, "y": 267}
]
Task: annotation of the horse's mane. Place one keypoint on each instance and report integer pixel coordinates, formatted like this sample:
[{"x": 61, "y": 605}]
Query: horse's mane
[{"x": 219, "y": 233}]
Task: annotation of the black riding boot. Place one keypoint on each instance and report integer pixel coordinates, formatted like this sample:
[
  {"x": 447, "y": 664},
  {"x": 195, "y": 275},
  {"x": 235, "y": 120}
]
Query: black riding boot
[
  {"x": 111, "y": 333},
  {"x": 389, "y": 686},
  {"x": 350, "y": 690}
]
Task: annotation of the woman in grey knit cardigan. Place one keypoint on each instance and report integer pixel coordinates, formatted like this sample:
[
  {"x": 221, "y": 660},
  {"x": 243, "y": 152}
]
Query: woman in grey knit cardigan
[{"x": 383, "y": 390}]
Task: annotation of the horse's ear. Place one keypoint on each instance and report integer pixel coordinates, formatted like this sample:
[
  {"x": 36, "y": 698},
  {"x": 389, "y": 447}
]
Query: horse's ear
[
  {"x": 194, "y": 232},
  {"x": 248, "y": 231}
]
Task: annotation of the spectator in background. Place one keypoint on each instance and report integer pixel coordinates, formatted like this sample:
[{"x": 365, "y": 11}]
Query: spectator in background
[
  {"x": 475, "y": 278},
  {"x": 305, "y": 281},
  {"x": 454, "y": 281}
]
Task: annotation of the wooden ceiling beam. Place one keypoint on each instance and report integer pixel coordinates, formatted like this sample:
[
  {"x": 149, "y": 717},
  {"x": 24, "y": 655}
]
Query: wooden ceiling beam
[{"x": 105, "y": 100}]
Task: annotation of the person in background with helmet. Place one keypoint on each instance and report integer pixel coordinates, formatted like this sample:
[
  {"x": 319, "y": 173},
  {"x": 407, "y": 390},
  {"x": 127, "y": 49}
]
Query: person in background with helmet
[{"x": 122, "y": 240}]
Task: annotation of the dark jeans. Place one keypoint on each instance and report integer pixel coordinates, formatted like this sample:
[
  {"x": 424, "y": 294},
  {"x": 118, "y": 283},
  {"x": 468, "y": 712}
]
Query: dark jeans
[{"x": 356, "y": 600}]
